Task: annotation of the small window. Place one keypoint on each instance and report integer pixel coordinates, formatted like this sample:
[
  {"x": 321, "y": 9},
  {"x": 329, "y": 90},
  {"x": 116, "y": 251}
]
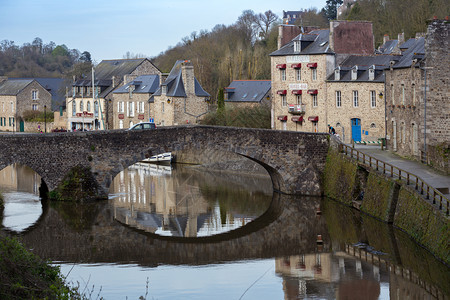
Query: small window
[
  {"x": 338, "y": 99},
  {"x": 372, "y": 125},
  {"x": 314, "y": 100},
  {"x": 298, "y": 74},
  {"x": 314, "y": 74},
  {"x": 88, "y": 106},
  {"x": 373, "y": 99},
  {"x": 283, "y": 100},
  {"x": 299, "y": 99},
  {"x": 283, "y": 74},
  {"x": 355, "y": 99},
  {"x": 297, "y": 46},
  {"x": 81, "y": 106},
  {"x": 34, "y": 95},
  {"x": 74, "y": 108},
  {"x": 34, "y": 107},
  {"x": 244, "y": 96}
]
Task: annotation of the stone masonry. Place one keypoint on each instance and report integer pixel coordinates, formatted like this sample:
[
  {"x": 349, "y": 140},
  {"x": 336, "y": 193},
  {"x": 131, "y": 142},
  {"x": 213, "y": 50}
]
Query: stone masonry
[{"x": 295, "y": 161}]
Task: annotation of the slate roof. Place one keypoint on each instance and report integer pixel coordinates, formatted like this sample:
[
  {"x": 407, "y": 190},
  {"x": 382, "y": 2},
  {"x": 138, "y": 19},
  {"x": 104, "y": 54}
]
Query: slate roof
[
  {"x": 145, "y": 84},
  {"x": 174, "y": 83},
  {"x": 12, "y": 87},
  {"x": 315, "y": 42},
  {"x": 248, "y": 90},
  {"x": 416, "y": 50},
  {"x": 388, "y": 47},
  {"x": 56, "y": 88},
  {"x": 363, "y": 62}
]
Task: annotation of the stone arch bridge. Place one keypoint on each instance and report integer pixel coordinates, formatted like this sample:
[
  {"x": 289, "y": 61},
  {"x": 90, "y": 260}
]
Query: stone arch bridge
[{"x": 294, "y": 160}]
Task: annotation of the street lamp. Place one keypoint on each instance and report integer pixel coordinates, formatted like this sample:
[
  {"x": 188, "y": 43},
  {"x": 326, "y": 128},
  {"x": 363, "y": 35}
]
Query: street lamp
[{"x": 45, "y": 118}]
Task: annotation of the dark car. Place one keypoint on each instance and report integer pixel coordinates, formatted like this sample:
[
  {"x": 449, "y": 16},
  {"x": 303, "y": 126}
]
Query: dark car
[{"x": 143, "y": 125}]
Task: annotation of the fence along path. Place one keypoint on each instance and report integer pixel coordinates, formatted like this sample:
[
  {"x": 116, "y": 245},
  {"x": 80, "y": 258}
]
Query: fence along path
[{"x": 429, "y": 192}]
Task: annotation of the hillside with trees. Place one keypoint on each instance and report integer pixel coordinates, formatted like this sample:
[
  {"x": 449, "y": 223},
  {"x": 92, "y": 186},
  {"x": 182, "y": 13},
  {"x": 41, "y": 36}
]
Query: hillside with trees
[{"x": 37, "y": 59}]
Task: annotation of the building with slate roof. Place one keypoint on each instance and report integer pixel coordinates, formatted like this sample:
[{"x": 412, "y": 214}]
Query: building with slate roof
[
  {"x": 301, "y": 67},
  {"x": 90, "y": 104},
  {"x": 180, "y": 99},
  {"x": 248, "y": 93},
  {"x": 417, "y": 98},
  {"x": 18, "y": 96},
  {"x": 292, "y": 16},
  {"x": 130, "y": 102}
]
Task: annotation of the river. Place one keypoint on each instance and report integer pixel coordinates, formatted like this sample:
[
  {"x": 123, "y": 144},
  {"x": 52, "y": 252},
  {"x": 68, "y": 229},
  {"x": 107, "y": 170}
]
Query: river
[{"x": 177, "y": 232}]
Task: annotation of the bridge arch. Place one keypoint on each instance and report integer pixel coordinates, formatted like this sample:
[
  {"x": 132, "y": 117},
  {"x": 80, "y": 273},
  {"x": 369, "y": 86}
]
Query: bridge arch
[{"x": 294, "y": 160}]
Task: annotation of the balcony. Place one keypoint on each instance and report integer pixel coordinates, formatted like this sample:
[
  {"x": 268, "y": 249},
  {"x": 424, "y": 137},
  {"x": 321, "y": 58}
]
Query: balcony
[{"x": 296, "y": 109}]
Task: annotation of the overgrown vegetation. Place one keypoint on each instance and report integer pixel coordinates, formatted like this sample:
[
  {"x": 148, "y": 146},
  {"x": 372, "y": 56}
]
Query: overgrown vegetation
[
  {"x": 23, "y": 275},
  {"x": 37, "y": 116},
  {"x": 249, "y": 117},
  {"x": 78, "y": 185}
]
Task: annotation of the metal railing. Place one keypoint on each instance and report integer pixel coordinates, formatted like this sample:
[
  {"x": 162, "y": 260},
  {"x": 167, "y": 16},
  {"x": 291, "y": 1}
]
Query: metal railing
[{"x": 420, "y": 185}]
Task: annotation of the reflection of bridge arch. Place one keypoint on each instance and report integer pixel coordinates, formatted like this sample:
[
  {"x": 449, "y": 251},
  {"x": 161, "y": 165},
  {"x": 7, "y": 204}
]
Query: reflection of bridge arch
[
  {"x": 294, "y": 160},
  {"x": 102, "y": 239}
]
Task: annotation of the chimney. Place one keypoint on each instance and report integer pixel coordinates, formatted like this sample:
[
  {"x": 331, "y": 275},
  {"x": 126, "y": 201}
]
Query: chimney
[
  {"x": 401, "y": 38},
  {"x": 385, "y": 38},
  {"x": 187, "y": 74}
]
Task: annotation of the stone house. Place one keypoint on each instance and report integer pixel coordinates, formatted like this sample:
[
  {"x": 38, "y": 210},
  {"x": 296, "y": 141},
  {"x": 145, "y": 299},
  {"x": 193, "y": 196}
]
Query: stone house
[
  {"x": 18, "y": 96},
  {"x": 89, "y": 107},
  {"x": 248, "y": 93},
  {"x": 417, "y": 98},
  {"x": 180, "y": 99},
  {"x": 292, "y": 16},
  {"x": 300, "y": 68},
  {"x": 130, "y": 102},
  {"x": 355, "y": 98}
]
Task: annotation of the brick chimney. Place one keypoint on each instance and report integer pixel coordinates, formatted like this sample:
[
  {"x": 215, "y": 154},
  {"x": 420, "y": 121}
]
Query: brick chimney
[
  {"x": 286, "y": 33},
  {"x": 401, "y": 38},
  {"x": 187, "y": 74},
  {"x": 385, "y": 38}
]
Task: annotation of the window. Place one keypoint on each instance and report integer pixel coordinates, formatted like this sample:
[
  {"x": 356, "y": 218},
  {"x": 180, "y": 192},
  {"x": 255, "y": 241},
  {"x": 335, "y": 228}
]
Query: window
[
  {"x": 283, "y": 74},
  {"x": 403, "y": 95},
  {"x": 355, "y": 99},
  {"x": 120, "y": 124},
  {"x": 283, "y": 100},
  {"x": 373, "y": 99},
  {"x": 162, "y": 106},
  {"x": 89, "y": 106},
  {"x": 413, "y": 94},
  {"x": 298, "y": 74},
  {"x": 314, "y": 74},
  {"x": 81, "y": 106},
  {"x": 96, "y": 109},
  {"x": 74, "y": 108},
  {"x": 297, "y": 46},
  {"x": 142, "y": 107},
  {"x": 131, "y": 109},
  {"x": 12, "y": 106},
  {"x": 338, "y": 99},
  {"x": 392, "y": 95},
  {"x": 74, "y": 91},
  {"x": 299, "y": 99},
  {"x": 314, "y": 100},
  {"x": 373, "y": 125},
  {"x": 34, "y": 107},
  {"x": 34, "y": 95},
  {"x": 163, "y": 89}
]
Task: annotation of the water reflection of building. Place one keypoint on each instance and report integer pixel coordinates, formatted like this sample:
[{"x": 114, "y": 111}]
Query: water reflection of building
[
  {"x": 332, "y": 276},
  {"x": 158, "y": 199},
  {"x": 19, "y": 178}
]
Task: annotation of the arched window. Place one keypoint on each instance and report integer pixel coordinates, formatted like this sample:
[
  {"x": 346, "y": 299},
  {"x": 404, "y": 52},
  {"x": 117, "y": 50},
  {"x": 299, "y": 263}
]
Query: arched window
[
  {"x": 373, "y": 125},
  {"x": 89, "y": 106},
  {"x": 81, "y": 106},
  {"x": 96, "y": 109}
]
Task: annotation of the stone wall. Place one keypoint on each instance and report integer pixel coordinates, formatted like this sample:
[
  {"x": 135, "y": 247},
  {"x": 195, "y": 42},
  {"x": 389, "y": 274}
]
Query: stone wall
[{"x": 25, "y": 101}]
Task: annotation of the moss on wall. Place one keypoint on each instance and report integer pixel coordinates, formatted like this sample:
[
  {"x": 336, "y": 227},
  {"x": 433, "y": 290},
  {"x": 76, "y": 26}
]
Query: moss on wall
[
  {"x": 423, "y": 223},
  {"x": 78, "y": 185},
  {"x": 339, "y": 178},
  {"x": 378, "y": 197}
]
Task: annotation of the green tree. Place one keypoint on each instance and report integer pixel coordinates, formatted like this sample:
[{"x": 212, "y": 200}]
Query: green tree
[
  {"x": 61, "y": 50},
  {"x": 330, "y": 8}
]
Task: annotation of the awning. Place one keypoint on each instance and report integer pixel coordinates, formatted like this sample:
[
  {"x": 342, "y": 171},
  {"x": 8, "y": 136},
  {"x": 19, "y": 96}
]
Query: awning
[
  {"x": 141, "y": 117},
  {"x": 296, "y": 66},
  {"x": 297, "y": 92},
  {"x": 313, "y": 92},
  {"x": 312, "y": 65},
  {"x": 282, "y": 92},
  {"x": 121, "y": 116},
  {"x": 282, "y": 118},
  {"x": 313, "y": 119},
  {"x": 297, "y": 119},
  {"x": 281, "y": 66}
]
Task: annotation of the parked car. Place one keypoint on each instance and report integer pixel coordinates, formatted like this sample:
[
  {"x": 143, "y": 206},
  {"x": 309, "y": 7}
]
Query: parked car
[{"x": 143, "y": 125}]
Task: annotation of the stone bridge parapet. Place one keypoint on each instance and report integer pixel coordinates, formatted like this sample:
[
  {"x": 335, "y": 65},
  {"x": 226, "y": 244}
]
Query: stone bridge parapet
[{"x": 294, "y": 160}]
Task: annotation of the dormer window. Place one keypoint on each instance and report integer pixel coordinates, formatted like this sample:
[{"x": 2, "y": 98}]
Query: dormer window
[
  {"x": 372, "y": 72},
  {"x": 355, "y": 73},
  {"x": 297, "y": 46},
  {"x": 337, "y": 74},
  {"x": 163, "y": 89}
]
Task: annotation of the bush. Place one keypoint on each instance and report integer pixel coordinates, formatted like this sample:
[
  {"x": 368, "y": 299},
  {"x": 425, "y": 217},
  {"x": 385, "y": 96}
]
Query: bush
[{"x": 37, "y": 116}]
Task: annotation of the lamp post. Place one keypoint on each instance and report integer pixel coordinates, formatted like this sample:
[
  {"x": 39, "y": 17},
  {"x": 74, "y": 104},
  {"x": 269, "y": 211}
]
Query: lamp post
[
  {"x": 384, "y": 143},
  {"x": 45, "y": 118}
]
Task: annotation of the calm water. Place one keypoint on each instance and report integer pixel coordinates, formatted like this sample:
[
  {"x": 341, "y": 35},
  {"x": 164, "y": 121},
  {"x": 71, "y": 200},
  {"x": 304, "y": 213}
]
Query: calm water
[{"x": 183, "y": 233}]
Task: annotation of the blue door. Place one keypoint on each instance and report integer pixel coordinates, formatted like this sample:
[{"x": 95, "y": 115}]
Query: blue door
[{"x": 356, "y": 130}]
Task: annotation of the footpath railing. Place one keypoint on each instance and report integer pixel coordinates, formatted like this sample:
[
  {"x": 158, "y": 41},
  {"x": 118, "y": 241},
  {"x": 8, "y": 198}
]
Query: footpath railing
[{"x": 420, "y": 185}]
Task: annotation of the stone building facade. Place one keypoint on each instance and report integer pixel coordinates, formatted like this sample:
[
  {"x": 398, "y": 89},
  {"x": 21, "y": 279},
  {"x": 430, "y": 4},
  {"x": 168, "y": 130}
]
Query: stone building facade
[
  {"x": 417, "y": 98},
  {"x": 300, "y": 69},
  {"x": 180, "y": 99},
  {"x": 91, "y": 107},
  {"x": 131, "y": 102},
  {"x": 18, "y": 96}
]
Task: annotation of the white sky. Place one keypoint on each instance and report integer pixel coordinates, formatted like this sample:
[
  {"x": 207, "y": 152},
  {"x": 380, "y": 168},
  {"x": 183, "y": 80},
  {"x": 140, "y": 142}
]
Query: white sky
[{"x": 110, "y": 28}]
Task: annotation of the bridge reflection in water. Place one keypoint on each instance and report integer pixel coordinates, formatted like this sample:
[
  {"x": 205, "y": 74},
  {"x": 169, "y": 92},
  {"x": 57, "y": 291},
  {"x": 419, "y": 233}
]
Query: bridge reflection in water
[{"x": 307, "y": 238}]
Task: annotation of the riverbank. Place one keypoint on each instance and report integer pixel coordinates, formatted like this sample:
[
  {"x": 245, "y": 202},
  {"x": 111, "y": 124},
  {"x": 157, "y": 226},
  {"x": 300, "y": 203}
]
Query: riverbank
[
  {"x": 24, "y": 275},
  {"x": 387, "y": 199}
]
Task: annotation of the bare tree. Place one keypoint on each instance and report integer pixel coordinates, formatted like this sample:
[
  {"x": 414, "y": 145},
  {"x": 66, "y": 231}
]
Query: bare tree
[{"x": 264, "y": 22}]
